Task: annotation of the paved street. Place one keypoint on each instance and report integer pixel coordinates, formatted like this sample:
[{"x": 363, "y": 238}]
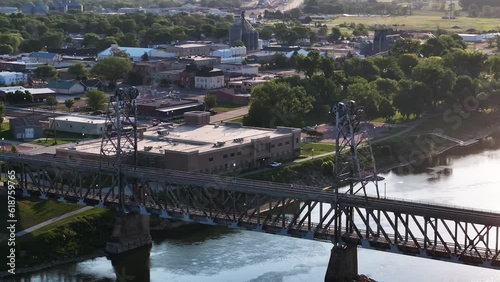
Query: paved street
[{"x": 229, "y": 115}]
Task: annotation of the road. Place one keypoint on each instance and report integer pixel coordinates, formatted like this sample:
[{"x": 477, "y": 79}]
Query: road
[
  {"x": 229, "y": 115},
  {"x": 52, "y": 220}
]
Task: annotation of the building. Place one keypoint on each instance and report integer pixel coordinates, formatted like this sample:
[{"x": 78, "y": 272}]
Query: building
[
  {"x": 475, "y": 38},
  {"x": 187, "y": 76},
  {"x": 93, "y": 84},
  {"x": 75, "y": 52},
  {"x": 26, "y": 127},
  {"x": 238, "y": 69},
  {"x": 201, "y": 147},
  {"x": 184, "y": 50},
  {"x": 135, "y": 53},
  {"x": 39, "y": 94},
  {"x": 167, "y": 108},
  {"x": 68, "y": 87},
  {"x": 200, "y": 61},
  {"x": 170, "y": 77},
  {"x": 209, "y": 78},
  {"x": 12, "y": 78},
  {"x": 245, "y": 32},
  {"x": 231, "y": 97},
  {"x": 78, "y": 124},
  {"x": 9, "y": 10},
  {"x": 44, "y": 58},
  {"x": 17, "y": 66}
]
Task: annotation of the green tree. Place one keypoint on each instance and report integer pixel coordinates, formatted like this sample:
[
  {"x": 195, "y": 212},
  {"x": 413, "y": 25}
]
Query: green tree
[
  {"x": 336, "y": 34},
  {"x": 2, "y": 113},
  {"x": 6, "y": 49},
  {"x": 407, "y": 62},
  {"x": 69, "y": 103},
  {"x": 237, "y": 43},
  {"x": 210, "y": 102},
  {"x": 96, "y": 100},
  {"x": 45, "y": 72},
  {"x": 309, "y": 64},
  {"x": 12, "y": 39},
  {"x": 465, "y": 63},
  {"x": 410, "y": 99},
  {"x": 79, "y": 71},
  {"x": 388, "y": 66},
  {"x": 405, "y": 46},
  {"x": 387, "y": 88},
  {"x": 278, "y": 104},
  {"x": 51, "y": 101},
  {"x": 365, "y": 96},
  {"x": 112, "y": 68},
  {"x": 91, "y": 40},
  {"x": 13, "y": 149},
  {"x": 438, "y": 79},
  {"x": 362, "y": 68},
  {"x": 493, "y": 66},
  {"x": 52, "y": 39},
  {"x": 386, "y": 109}
]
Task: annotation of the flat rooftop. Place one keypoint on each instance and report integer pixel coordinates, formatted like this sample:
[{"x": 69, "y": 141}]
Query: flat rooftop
[
  {"x": 190, "y": 45},
  {"x": 82, "y": 119},
  {"x": 164, "y": 102},
  {"x": 189, "y": 138}
]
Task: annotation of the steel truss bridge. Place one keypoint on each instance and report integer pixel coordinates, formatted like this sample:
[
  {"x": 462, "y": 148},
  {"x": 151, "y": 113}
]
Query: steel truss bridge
[{"x": 431, "y": 231}]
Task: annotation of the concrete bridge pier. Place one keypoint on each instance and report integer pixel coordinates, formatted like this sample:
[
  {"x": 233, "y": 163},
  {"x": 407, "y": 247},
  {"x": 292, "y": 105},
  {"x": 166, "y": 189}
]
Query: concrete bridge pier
[
  {"x": 131, "y": 231},
  {"x": 343, "y": 265}
]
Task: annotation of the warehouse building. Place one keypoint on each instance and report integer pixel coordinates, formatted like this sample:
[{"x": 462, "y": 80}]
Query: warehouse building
[
  {"x": 12, "y": 78},
  {"x": 207, "y": 148},
  {"x": 78, "y": 124}
]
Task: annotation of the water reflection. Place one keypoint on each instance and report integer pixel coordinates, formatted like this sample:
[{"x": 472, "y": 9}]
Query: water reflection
[{"x": 132, "y": 266}]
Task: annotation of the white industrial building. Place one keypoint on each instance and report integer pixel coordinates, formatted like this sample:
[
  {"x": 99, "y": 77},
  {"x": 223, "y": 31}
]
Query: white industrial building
[
  {"x": 9, "y": 10},
  {"x": 472, "y": 37},
  {"x": 209, "y": 78},
  {"x": 78, "y": 124},
  {"x": 230, "y": 52},
  {"x": 8, "y": 78}
]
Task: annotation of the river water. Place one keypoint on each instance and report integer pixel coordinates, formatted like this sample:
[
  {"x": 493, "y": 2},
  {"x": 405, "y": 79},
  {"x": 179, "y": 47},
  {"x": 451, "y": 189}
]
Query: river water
[{"x": 469, "y": 178}]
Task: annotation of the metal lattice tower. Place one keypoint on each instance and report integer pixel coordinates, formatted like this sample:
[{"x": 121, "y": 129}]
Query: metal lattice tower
[
  {"x": 119, "y": 141},
  {"x": 354, "y": 162}
]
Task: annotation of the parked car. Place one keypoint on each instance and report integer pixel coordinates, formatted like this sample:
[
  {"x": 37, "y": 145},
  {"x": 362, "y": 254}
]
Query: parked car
[{"x": 275, "y": 164}]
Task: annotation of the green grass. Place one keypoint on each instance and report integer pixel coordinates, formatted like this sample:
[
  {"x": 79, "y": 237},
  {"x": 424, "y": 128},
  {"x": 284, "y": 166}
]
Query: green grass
[
  {"x": 5, "y": 131},
  {"x": 48, "y": 142},
  {"x": 227, "y": 107},
  {"x": 32, "y": 213},
  {"x": 238, "y": 119},
  {"x": 314, "y": 149},
  {"x": 424, "y": 20},
  {"x": 396, "y": 119},
  {"x": 95, "y": 211},
  {"x": 69, "y": 136}
]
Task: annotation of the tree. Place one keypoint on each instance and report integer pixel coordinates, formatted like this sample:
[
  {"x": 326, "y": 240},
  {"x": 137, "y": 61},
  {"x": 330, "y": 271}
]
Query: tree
[
  {"x": 45, "y": 72},
  {"x": 490, "y": 41},
  {"x": 69, "y": 103},
  {"x": 91, "y": 40},
  {"x": 386, "y": 109},
  {"x": 336, "y": 34},
  {"x": 405, "y": 46},
  {"x": 278, "y": 104},
  {"x": 362, "y": 68},
  {"x": 237, "y": 43},
  {"x": 309, "y": 64},
  {"x": 96, "y": 100},
  {"x": 2, "y": 113},
  {"x": 6, "y": 49},
  {"x": 493, "y": 64},
  {"x": 387, "y": 88},
  {"x": 410, "y": 99},
  {"x": 112, "y": 68},
  {"x": 407, "y": 62},
  {"x": 79, "y": 71},
  {"x": 210, "y": 101},
  {"x": 388, "y": 66},
  {"x": 465, "y": 63},
  {"x": 51, "y": 101},
  {"x": 365, "y": 96},
  {"x": 52, "y": 39},
  {"x": 438, "y": 79},
  {"x": 145, "y": 57},
  {"x": 13, "y": 149}
]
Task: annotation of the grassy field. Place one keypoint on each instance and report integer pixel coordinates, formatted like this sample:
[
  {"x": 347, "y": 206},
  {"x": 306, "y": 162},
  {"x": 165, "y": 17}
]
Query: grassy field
[
  {"x": 428, "y": 20},
  {"x": 48, "y": 142},
  {"x": 32, "y": 213},
  {"x": 238, "y": 119},
  {"x": 314, "y": 149}
]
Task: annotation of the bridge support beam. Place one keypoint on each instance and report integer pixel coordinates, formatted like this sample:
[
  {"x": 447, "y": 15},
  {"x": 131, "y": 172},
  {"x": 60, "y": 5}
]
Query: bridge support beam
[
  {"x": 131, "y": 231},
  {"x": 343, "y": 265}
]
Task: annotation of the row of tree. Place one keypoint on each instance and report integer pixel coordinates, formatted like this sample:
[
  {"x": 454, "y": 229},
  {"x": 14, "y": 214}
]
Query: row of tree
[
  {"x": 407, "y": 82},
  {"x": 29, "y": 33}
]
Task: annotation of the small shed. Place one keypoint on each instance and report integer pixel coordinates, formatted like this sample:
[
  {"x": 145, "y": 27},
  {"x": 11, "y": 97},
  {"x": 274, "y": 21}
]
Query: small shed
[{"x": 26, "y": 127}]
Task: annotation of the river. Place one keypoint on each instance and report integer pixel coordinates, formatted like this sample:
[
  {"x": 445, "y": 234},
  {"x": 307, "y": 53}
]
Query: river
[{"x": 468, "y": 178}]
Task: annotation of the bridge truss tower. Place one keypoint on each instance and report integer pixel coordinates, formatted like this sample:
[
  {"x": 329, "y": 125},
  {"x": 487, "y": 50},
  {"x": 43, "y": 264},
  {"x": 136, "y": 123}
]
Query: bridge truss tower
[
  {"x": 119, "y": 141},
  {"x": 354, "y": 164}
]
